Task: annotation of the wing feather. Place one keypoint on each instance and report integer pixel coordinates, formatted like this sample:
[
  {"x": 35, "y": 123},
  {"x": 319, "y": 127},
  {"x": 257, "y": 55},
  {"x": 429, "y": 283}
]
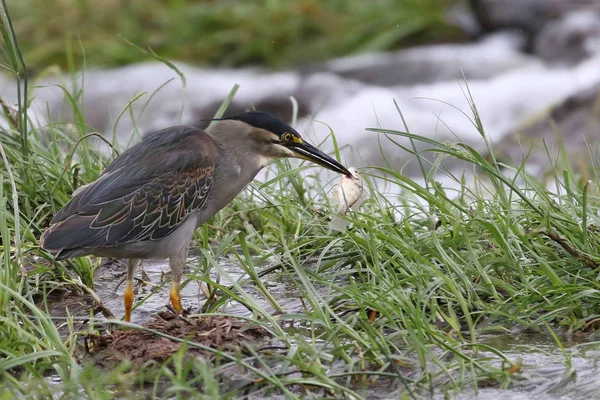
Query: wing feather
[{"x": 144, "y": 195}]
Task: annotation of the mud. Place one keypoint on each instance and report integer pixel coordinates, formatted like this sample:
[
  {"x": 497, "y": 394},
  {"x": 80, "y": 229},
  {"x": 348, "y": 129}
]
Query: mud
[
  {"x": 78, "y": 310},
  {"x": 154, "y": 342}
]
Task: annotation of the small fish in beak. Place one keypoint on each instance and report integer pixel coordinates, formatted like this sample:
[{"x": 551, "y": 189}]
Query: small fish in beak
[{"x": 349, "y": 196}]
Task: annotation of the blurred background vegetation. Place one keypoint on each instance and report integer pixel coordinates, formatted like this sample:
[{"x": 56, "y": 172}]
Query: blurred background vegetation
[{"x": 274, "y": 33}]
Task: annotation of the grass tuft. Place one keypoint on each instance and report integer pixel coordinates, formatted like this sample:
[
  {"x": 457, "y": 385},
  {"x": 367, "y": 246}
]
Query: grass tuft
[{"x": 403, "y": 299}]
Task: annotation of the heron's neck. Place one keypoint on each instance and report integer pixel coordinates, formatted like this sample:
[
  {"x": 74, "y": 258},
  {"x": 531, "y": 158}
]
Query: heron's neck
[{"x": 234, "y": 139}]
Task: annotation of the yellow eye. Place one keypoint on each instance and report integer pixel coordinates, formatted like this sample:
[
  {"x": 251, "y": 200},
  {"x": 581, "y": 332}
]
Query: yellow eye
[{"x": 287, "y": 137}]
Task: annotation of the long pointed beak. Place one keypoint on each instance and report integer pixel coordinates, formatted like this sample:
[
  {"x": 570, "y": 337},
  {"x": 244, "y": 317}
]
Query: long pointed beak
[{"x": 309, "y": 152}]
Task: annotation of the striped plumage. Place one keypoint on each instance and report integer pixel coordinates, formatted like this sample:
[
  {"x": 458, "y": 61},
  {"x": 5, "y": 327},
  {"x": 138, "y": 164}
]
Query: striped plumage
[{"x": 139, "y": 197}]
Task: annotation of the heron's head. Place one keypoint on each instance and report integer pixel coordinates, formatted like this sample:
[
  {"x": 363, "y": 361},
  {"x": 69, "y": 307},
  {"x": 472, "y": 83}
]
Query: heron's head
[{"x": 272, "y": 138}]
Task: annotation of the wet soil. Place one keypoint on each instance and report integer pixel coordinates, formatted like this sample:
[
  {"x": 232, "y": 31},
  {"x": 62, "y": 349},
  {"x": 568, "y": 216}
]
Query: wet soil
[
  {"x": 161, "y": 333},
  {"x": 66, "y": 304},
  {"x": 155, "y": 342}
]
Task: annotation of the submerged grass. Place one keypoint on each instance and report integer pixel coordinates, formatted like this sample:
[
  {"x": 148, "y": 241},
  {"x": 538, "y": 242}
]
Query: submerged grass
[{"x": 399, "y": 300}]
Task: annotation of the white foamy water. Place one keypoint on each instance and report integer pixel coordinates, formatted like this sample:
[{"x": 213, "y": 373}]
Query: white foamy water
[
  {"x": 508, "y": 87},
  {"x": 442, "y": 111}
]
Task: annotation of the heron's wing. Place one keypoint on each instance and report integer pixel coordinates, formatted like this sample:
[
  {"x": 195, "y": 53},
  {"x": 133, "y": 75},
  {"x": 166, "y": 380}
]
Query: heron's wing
[{"x": 145, "y": 194}]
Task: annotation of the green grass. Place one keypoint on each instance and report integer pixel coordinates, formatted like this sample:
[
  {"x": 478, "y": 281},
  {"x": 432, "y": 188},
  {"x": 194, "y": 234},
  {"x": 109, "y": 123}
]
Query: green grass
[
  {"x": 278, "y": 33},
  {"x": 436, "y": 268}
]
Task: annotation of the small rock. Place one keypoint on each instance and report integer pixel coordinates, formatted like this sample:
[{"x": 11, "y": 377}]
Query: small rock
[
  {"x": 577, "y": 119},
  {"x": 570, "y": 39},
  {"x": 528, "y": 16}
]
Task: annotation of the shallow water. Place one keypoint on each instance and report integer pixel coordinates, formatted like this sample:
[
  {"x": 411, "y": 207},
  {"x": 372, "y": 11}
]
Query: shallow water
[
  {"x": 545, "y": 370},
  {"x": 153, "y": 297}
]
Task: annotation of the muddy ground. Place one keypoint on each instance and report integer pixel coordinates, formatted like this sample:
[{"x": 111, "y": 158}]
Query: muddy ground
[{"x": 157, "y": 342}]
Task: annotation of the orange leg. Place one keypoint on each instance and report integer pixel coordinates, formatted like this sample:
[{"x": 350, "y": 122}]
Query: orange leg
[
  {"x": 177, "y": 263},
  {"x": 175, "y": 296},
  {"x": 128, "y": 300},
  {"x": 128, "y": 296}
]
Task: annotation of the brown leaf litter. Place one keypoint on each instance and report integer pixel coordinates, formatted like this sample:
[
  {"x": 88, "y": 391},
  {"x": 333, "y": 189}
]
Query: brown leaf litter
[{"x": 143, "y": 347}]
